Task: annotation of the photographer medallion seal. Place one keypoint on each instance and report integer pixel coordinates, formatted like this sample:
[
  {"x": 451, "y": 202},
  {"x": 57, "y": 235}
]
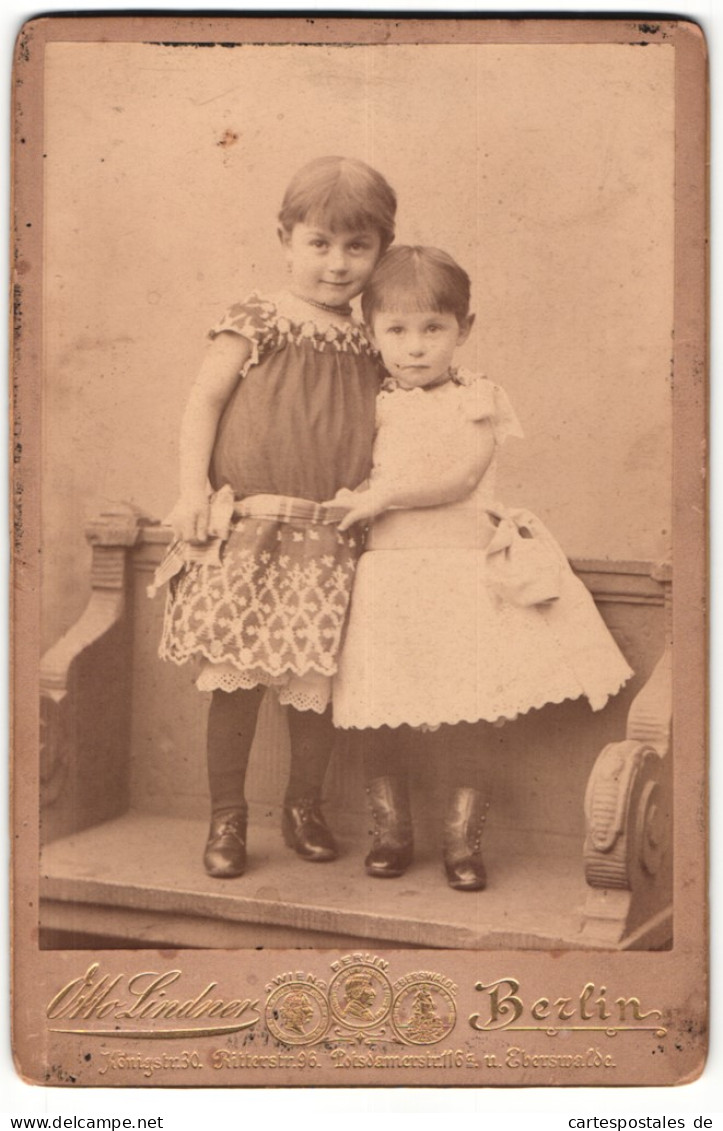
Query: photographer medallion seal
[
  {"x": 424, "y": 1013},
  {"x": 297, "y": 1013},
  {"x": 360, "y": 996}
]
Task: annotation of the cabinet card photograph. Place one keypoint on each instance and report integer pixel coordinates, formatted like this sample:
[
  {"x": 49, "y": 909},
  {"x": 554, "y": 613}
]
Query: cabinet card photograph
[{"x": 360, "y": 394}]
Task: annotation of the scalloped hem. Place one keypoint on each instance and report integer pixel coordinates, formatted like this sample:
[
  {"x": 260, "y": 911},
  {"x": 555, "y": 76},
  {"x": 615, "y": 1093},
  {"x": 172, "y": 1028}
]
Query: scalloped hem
[
  {"x": 308, "y": 692},
  {"x": 506, "y": 715}
]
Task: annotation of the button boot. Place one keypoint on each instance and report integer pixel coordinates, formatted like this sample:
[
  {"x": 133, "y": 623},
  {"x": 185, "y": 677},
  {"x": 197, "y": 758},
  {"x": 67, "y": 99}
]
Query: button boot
[
  {"x": 464, "y": 822},
  {"x": 393, "y": 844}
]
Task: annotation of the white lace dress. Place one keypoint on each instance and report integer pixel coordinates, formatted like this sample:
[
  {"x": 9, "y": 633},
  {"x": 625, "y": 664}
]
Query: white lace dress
[{"x": 428, "y": 641}]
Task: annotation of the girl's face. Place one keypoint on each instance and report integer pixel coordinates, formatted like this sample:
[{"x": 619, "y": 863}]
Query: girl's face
[
  {"x": 417, "y": 348},
  {"x": 330, "y": 267}
]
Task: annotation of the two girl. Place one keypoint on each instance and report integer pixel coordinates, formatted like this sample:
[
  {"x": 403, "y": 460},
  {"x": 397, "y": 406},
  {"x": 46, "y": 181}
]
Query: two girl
[{"x": 281, "y": 420}]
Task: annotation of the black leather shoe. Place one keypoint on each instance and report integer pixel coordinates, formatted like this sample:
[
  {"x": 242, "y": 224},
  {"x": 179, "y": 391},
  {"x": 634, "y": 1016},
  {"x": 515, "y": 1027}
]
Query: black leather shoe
[
  {"x": 305, "y": 830},
  {"x": 392, "y": 847},
  {"x": 463, "y": 827},
  {"x": 225, "y": 854}
]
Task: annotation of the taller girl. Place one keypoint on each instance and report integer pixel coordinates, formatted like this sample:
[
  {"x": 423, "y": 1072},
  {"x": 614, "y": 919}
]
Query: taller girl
[{"x": 281, "y": 416}]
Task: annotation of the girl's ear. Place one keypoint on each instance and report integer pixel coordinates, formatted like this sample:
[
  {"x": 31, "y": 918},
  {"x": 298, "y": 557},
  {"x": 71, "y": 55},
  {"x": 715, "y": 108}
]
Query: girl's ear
[
  {"x": 464, "y": 329},
  {"x": 284, "y": 236}
]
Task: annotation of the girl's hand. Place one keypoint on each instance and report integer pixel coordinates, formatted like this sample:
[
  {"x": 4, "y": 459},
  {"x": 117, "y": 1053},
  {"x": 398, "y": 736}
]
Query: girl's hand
[
  {"x": 189, "y": 518},
  {"x": 363, "y": 506}
]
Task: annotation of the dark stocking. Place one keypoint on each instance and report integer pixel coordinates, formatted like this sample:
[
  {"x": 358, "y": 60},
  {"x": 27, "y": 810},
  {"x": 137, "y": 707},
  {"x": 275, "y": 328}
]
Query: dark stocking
[
  {"x": 312, "y": 738},
  {"x": 464, "y": 748},
  {"x": 384, "y": 750},
  {"x": 231, "y": 726}
]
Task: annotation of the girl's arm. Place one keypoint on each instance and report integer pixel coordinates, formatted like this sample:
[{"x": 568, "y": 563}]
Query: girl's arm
[
  {"x": 216, "y": 380},
  {"x": 473, "y": 450}
]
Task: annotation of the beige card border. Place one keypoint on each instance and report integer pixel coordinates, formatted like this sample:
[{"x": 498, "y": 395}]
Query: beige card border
[{"x": 675, "y": 981}]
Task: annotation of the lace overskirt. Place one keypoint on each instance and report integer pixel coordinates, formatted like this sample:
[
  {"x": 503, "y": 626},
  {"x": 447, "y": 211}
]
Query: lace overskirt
[{"x": 273, "y": 609}]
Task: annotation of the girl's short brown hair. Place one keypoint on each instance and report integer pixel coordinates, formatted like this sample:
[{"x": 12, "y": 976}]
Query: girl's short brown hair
[
  {"x": 417, "y": 279},
  {"x": 343, "y": 194}
]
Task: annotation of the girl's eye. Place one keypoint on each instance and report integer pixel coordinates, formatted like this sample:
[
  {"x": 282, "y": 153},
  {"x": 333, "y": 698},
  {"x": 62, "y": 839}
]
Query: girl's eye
[
  {"x": 433, "y": 329},
  {"x": 395, "y": 330},
  {"x": 318, "y": 243}
]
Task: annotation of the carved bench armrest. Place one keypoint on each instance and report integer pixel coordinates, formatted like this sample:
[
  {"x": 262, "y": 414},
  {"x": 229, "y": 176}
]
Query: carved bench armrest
[
  {"x": 110, "y": 535},
  {"x": 628, "y": 816},
  {"x": 86, "y": 692}
]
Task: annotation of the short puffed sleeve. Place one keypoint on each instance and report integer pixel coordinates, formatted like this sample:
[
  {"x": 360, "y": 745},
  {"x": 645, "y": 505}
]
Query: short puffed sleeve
[
  {"x": 254, "y": 319},
  {"x": 483, "y": 400}
]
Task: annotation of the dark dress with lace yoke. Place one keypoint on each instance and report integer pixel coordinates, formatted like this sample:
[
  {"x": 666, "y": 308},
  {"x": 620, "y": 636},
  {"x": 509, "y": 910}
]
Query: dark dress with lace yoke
[{"x": 300, "y": 423}]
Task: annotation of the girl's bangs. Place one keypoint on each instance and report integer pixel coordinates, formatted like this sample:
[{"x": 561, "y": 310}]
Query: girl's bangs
[
  {"x": 341, "y": 212},
  {"x": 412, "y": 287},
  {"x": 412, "y": 280},
  {"x": 414, "y": 296}
]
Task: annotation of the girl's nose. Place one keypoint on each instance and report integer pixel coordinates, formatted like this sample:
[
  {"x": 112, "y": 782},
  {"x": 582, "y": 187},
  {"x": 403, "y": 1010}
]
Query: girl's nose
[
  {"x": 416, "y": 348},
  {"x": 337, "y": 260}
]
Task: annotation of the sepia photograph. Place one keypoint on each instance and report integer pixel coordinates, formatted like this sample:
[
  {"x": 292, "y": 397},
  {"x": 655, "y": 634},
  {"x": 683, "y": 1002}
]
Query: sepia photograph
[{"x": 361, "y": 369}]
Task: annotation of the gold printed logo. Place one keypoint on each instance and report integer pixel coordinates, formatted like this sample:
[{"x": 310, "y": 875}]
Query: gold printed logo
[
  {"x": 424, "y": 1011},
  {"x": 360, "y": 996},
  {"x": 592, "y": 1010},
  {"x": 297, "y": 1011},
  {"x": 361, "y": 1006},
  {"x": 147, "y": 996}
]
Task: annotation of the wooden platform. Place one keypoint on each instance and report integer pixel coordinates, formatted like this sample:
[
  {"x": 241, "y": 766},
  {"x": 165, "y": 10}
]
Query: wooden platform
[{"x": 140, "y": 878}]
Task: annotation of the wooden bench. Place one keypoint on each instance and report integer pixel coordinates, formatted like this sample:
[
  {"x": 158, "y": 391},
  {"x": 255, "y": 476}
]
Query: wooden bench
[{"x": 577, "y": 845}]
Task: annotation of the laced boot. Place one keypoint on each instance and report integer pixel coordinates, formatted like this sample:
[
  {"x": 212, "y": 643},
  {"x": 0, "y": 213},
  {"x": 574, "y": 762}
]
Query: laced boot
[
  {"x": 305, "y": 830},
  {"x": 392, "y": 847},
  {"x": 466, "y": 816},
  {"x": 225, "y": 853}
]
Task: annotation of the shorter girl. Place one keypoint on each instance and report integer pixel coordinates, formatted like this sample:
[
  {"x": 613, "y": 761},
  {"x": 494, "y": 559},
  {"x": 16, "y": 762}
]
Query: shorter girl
[
  {"x": 280, "y": 417},
  {"x": 446, "y": 632}
]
